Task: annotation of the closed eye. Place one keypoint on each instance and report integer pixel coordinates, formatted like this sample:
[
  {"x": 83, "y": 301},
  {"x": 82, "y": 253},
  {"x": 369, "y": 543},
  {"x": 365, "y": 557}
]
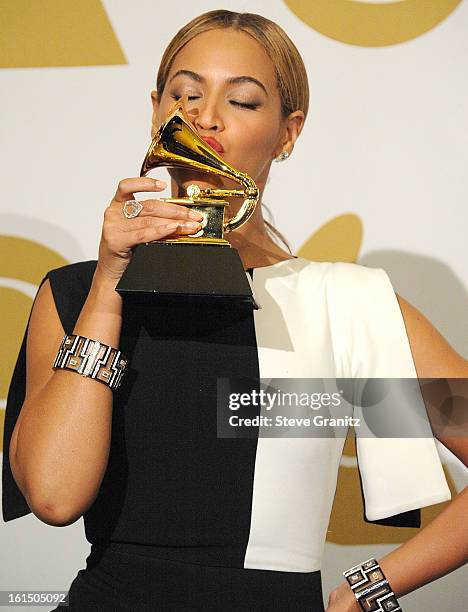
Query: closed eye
[
  {"x": 245, "y": 105},
  {"x": 175, "y": 97},
  {"x": 250, "y": 106}
]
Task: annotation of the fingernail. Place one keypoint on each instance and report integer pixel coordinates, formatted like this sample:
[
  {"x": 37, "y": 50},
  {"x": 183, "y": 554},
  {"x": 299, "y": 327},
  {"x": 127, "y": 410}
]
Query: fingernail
[
  {"x": 160, "y": 183},
  {"x": 194, "y": 214}
]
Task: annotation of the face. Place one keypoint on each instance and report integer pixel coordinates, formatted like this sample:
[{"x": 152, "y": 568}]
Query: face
[{"x": 243, "y": 116}]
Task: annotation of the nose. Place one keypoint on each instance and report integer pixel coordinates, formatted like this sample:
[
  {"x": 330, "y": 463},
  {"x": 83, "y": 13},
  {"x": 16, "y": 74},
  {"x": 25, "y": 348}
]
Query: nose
[{"x": 205, "y": 115}]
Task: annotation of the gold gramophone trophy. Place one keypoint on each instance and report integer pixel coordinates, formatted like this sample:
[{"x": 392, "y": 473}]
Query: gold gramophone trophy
[{"x": 204, "y": 264}]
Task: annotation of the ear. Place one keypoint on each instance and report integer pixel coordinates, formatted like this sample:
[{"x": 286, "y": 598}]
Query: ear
[
  {"x": 154, "y": 117},
  {"x": 292, "y": 127}
]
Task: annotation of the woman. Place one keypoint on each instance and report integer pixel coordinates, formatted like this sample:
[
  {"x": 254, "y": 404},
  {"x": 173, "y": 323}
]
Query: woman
[{"x": 178, "y": 518}]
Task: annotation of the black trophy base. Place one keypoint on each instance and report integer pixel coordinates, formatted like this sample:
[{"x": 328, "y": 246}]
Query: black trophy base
[{"x": 186, "y": 272}]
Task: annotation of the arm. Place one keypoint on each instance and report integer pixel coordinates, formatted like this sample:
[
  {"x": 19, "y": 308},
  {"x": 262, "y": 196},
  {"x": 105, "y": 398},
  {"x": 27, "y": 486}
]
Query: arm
[
  {"x": 61, "y": 441},
  {"x": 60, "y": 444},
  {"x": 435, "y": 358},
  {"x": 442, "y": 545}
]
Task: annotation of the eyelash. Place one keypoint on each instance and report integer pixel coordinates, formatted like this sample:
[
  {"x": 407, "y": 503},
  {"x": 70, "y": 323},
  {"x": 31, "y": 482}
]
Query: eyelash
[{"x": 243, "y": 105}]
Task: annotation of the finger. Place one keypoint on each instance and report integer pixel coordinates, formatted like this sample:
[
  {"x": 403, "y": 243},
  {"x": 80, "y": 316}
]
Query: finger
[
  {"x": 129, "y": 186},
  {"x": 133, "y": 225},
  {"x": 148, "y": 234},
  {"x": 158, "y": 208}
]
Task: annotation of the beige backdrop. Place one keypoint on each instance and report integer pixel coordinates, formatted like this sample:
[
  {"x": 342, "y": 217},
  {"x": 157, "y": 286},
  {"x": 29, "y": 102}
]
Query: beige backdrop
[{"x": 377, "y": 177}]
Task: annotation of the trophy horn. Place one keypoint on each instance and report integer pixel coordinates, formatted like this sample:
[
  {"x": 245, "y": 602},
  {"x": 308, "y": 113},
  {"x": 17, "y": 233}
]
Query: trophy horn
[{"x": 177, "y": 144}]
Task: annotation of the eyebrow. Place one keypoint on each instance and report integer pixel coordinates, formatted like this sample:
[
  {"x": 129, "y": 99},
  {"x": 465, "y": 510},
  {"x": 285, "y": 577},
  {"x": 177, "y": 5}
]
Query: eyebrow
[{"x": 230, "y": 81}]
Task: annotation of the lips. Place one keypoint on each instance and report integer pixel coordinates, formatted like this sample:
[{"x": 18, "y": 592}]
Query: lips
[{"x": 214, "y": 144}]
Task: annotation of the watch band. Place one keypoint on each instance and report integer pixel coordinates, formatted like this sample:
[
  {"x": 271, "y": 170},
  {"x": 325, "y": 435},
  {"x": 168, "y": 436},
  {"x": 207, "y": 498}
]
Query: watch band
[
  {"x": 91, "y": 358},
  {"x": 370, "y": 587}
]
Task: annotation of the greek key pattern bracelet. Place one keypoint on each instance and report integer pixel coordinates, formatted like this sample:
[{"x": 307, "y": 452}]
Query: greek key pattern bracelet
[
  {"x": 371, "y": 588},
  {"x": 91, "y": 358}
]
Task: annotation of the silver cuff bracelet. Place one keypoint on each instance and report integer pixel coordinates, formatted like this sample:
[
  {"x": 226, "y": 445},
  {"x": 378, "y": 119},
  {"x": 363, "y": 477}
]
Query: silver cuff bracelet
[
  {"x": 371, "y": 588},
  {"x": 91, "y": 358}
]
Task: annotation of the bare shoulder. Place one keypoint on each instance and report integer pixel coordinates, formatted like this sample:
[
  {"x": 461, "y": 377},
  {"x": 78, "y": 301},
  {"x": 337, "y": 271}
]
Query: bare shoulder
[
  {"x": 434, "y": 357},
  {"x": 432, "y": 354},
  {"x": 44, "y": 336},
  {"x": 45, "y": 332}
]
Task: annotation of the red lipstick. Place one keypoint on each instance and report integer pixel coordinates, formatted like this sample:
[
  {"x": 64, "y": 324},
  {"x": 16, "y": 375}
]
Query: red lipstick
[{"x": 214, "y": 144}]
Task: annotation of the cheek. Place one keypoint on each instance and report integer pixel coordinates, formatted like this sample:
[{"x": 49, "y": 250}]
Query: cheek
[{"x": 252, "y": 147}]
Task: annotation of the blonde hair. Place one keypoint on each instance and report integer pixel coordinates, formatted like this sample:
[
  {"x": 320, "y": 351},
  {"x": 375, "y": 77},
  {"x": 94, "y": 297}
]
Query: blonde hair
[{"x": 291, "y": 75}]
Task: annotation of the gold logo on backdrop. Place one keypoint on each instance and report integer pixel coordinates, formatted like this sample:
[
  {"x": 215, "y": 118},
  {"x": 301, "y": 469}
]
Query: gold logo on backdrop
[
  {"x": 27, "y": 261},
  {"x": 367, "y": 24},
  {"x": 337, "y": 240},
  {"x": 57, "y": 33}
]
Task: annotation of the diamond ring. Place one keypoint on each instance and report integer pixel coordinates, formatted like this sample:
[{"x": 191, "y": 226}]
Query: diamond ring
[{"x": 132, "y": 208}]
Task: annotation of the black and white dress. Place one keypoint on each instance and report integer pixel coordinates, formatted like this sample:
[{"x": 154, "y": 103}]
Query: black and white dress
[{"x": 185, "y": 520}]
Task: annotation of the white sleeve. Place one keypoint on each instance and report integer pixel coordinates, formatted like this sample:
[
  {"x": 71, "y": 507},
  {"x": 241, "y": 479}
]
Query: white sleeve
[{"x": 398, "y": 474}]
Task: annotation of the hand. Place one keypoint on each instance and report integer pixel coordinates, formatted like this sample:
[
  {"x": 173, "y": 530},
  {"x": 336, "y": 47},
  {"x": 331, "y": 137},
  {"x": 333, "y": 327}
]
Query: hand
[
  {"x": 342, "y": 599},
  {"x": 157, "y": 220}
]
